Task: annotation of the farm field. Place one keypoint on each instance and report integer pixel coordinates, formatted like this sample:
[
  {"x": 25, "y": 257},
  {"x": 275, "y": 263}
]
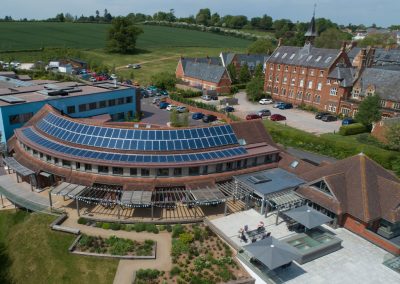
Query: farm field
[
  {"x": 26, "y": 35},
  {"x": 31, "y": 253}
]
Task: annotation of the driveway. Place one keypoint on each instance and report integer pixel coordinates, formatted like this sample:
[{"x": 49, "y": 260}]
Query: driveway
[
  {"x": 154, "y": 115},
  {"x": 296, "y": 118}
]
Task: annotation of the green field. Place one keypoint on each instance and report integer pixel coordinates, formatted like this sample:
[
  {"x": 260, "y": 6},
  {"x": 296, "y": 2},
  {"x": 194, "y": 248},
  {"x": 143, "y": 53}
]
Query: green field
[
  {"x": 35, "y": 35},
  {"x": 31, "y": 253}
]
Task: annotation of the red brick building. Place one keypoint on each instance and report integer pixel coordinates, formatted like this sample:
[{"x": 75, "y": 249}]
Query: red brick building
[{"x": 204, "y": 73}]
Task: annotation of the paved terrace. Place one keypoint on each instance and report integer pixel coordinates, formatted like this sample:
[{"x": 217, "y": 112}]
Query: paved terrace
[{"x": 359, "y": 261}]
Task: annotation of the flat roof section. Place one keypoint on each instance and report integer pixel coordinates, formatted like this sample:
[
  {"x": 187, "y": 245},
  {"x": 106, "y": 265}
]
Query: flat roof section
[{"x": 269, "y": 181}]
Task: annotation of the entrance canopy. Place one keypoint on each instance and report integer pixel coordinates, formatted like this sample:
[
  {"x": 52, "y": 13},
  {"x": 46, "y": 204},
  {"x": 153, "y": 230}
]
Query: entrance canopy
[
  {"x": 307, "y": 216},
  {"x": 272, "y": 252},
  {"x": 16, "y": 166}
]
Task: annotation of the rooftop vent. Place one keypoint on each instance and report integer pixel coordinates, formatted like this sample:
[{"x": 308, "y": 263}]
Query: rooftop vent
[
  {"x": 242, "y": 142},
  {"x": 257, "y": 179},
  {"x": 294, "y": 164}
]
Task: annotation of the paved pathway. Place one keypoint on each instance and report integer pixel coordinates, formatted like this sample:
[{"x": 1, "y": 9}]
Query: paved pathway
[{"x": 126, "y": 268}]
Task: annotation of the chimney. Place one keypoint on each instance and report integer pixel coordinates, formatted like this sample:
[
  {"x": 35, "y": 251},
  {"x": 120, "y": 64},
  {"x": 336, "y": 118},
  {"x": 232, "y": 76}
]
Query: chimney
[
  {"x": 343, "y": 48},
  {"x": 279, "y": 42}
]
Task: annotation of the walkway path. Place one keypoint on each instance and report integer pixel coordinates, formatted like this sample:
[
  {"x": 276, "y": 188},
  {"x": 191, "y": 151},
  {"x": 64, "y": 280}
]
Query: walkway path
[{"x": 126, "y": 268}]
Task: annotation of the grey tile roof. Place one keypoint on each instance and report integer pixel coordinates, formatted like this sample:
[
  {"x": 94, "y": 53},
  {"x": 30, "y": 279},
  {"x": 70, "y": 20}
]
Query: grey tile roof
[
  {"x": 208, "y": 60},
  {"x": 383, "y": 56},
  {"x": 227, "y": 57},
  {"x": 252, "y": 60},
  {"x": 344, "y": 74},
  {"x": 352, "y": 53},
  {"x": 307, "y": 56},
  {"x": 386, "y": 82},
  {"x": 203, "y": 71}
]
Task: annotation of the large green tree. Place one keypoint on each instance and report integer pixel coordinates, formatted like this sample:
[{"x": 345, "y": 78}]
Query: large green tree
[
  {"x": 255, "y": 89},
  {"x": 203, "y": 17},
  {"x": 369, "y": 110},
  {"x": 122, "y": 36},
  {"x": 392, "y": 135},
  {"x": 331, "y": 38},
  {"x": 261, "y": 46},
  {"x": 377, "y": 40},
  {"x": 164, "y": 80},
  {"x": 244, "y": 74},
  {"x": 232, "y": 73}
]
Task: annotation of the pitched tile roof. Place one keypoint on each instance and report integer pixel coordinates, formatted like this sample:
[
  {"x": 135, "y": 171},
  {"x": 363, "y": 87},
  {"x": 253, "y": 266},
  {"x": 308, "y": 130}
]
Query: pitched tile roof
[
  {"x": 344, "y": 74},
  {"x": 252, "y": 60},
  {"x": 360, "y": 187},
  {"x": 203, "y": 71},
  {"x": 307, "y": 56}
]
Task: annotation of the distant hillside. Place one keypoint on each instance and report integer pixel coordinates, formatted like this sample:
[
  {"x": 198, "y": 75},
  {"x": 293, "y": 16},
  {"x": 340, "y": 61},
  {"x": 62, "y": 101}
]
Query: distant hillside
[{"x": 35, "y": 35}]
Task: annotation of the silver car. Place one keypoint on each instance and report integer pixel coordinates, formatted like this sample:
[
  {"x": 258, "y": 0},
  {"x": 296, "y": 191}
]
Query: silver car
[{"x": 264, "y": 112}]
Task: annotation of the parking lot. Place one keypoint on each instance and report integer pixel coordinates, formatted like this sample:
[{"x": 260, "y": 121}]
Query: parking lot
[
  {"x": 294, "y": 117},
  {"x": 152, "y": 114}
]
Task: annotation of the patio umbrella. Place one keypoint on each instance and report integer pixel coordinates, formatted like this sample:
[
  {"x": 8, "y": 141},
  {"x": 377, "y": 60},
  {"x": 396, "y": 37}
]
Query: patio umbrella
[
  {"x": 272, "y": 252},
  {"x": 308, "y": 216}
]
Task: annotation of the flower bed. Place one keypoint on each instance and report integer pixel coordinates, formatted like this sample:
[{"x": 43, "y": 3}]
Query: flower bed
[{"x": 114, "y": 247}]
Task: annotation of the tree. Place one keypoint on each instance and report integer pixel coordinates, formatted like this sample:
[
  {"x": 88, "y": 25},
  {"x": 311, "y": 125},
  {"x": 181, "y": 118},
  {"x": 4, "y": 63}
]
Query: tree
[
  {"x": 203, "y": 17},
  {"x": 232, "y": 73},
  {"x": 164, "y": 80},
  {"x": 68, "y": 18},
  {"x": 377, "y": 40},
  {"x": 392, "y": 135},
  {"x": 244, "y": 74},
  {"x": 331, "y": 38},
  {"x": 255, "y": 89},
  {"x": 60, "y": 17},
  {"x": 215, "y": 18},
  {"x": 261, "y": 46},
  {"x": 369, "y": 111},
  {"x": 258, "y": 71},
  {"x": 122, "y": 36}
]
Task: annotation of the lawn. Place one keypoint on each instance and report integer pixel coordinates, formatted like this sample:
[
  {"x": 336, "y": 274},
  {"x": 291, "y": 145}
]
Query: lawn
[
  {"x": 35, "y": 35},
  {"x": 31, "y": 253}
]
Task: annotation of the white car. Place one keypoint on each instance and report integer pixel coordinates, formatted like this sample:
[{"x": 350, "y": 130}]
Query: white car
[
  {"x": 181, "y": 109},
  {"x": 265, "y": 101},
  {"x": 171, "y": 107}
]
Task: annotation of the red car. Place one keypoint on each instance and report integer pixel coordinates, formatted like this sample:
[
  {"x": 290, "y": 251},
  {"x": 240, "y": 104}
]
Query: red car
[
  {"x": 277, "y": 117},
  {"x": 252, "y": 116}
]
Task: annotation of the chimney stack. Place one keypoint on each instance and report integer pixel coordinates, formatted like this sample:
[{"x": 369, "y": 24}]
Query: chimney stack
[{"x": 279, "y": 42}]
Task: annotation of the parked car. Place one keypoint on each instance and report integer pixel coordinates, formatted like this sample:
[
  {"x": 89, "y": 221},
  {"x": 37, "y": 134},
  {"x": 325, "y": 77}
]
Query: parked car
[
  {"x": 129, "y": 66},
  {"x": 181, "y": 109},
  {"x": 277, "y": 117},
  {"x": 206, "y": 97},
  {"x": 209, "y": 118},
  {"x": 164, "y": 93},
  {"x": 214, "y": 98},
  {"x": 156, "y": 100},
  {"x": 265, "y": 101},
  {"x": 285, "y": 106},
  {"x": 319, "y": 115},
  {"x": 252, "y": 116},
  {"x": 264, "y": 112},
  {"x": 228, "y": 109},
  {"x": 171, "y": 107},
  {"x": 329, "y": 117},
  {"x": 277, "y": 104},
  {"x": 197, "y": 115},
  {"x": 348, "y": 121},
  {"x": 163, "y": 105},
  {"x": 92, "y": 79},
  {"x": 136, "y": 66}
]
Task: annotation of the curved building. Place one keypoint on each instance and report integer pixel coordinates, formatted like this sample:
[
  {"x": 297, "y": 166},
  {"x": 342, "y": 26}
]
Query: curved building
[{"x": 87, "y": 152}]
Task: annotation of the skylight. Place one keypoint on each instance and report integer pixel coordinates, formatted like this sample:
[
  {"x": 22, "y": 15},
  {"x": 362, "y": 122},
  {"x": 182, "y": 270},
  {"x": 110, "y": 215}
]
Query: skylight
[
  {"x": 292, "y": 56},
  {"x": 309, "y": 57},
  {"x": 276, "y": 55},
  {"x": 328, "y": 59},
  {"x": 256, "y": 179},
  {"x": 294, "y": 164},
  {"x": 318, "y": 59},
  {"x": 283, "y": 56}
]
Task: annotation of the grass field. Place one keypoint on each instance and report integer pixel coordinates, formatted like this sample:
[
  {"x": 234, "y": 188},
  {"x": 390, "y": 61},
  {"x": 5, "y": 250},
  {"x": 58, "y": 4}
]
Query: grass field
[
  {"x": 31, "y": 253},
  {"x": 24, "y": 36}
]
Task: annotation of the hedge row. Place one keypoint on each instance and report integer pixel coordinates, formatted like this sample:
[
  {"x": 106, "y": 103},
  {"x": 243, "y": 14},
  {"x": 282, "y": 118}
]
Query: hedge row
[
  {"x": 352, "y": 129},
  {"x": 188, "y": 93},
  {"x": 190, "y": 102}
]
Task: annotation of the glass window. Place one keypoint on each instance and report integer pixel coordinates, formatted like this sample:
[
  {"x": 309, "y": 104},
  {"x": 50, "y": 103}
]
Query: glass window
[
  {"x": 55, "y": 159},
  {"x": 48, "y": 158},
  {"x": 92, "y": 106},
  {"x": 194, "y": 171},
  {"x": 117, "y": 171},
  {"x": 66, "y": 163},
  {"x": 145, "y": 172},
  {"x": 14, "y": 119},
  {"x": 120, "y": 101},
  {"x": 133, "y": 171},
  {"x": 219, "y": 168},
  {"x": 177, "y": 172},
  {"x": 88, "y": 167},
  {"x": 82, "y": 107},
  {"x": 103, "y": 169},
  {"x": 164, "y": 172},
  {"x": 111, "y": 102},
  {"x": 102, "y": 104},
  {"x": 129, "y": 100},
  {"x": 70, "y": 109}
]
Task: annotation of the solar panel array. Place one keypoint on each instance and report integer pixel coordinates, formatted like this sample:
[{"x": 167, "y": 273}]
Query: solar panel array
[
  {"x": 74, "y": 152},
  {"x": 137, "y": 139}
]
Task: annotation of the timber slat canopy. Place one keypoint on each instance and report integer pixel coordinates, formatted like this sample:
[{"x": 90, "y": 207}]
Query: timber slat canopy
[{"x": 16, "y": 166}]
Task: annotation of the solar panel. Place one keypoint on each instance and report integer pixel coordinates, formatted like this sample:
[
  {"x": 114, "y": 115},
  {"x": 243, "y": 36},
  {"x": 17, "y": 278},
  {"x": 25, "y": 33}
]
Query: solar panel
[{"x": 11, "y": 99}]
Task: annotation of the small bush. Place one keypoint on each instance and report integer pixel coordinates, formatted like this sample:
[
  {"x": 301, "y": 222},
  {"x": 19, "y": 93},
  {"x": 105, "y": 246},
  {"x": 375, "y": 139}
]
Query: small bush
[
  {"x": 99, "y": 224},
  {"x": 147, "y": 274},
  {"x": 106, "y": 226},
  {"x": 82, "y": 221},
  {"x": 177, "y": 230},
  {"x": 175, "y": 271},
  {"x": 140, "y": 227},
  {"x": 168, "y": 228},
  {"x": 161, "y": 228},
  {"x": 115, "y": 226},
  {"x": 352, "y": 129}
]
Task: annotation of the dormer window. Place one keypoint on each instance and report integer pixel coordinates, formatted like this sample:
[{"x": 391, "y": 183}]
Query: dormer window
[
  {"x": 292, "y": 56},
  {"x": 276, "y": 55}
]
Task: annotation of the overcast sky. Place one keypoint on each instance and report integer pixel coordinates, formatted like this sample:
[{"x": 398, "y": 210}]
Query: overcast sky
[{"x": 381, "y": 12}]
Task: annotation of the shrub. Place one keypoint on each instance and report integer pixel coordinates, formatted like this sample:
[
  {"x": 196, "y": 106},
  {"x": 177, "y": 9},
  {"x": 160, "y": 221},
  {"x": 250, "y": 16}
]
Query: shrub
[
  {"x": 186, "y": 238},
  {"x": 161, "y": 228},
  {"x": 106, "y": 226},
  {"x": 175, "y": 271},
  {"x": 151, "y": 228},
  {"x": 115, "y": 226},
  {"x": 140, "y": 227},
  {"x": 188, "y": 93},
  {"x": 179, "y": 247},
  {"x": 82, "y": 221},
  {"x": 177, "y": 230},
  {"x": 169, "y": 228},
  {"x": 99, "y": 224},
  {"x": 352, "y": 129},
  {"x": 147, "y": 274}
]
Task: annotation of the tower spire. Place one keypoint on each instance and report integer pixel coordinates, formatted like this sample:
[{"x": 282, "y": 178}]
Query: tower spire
[{"x": 311, "y": 33}]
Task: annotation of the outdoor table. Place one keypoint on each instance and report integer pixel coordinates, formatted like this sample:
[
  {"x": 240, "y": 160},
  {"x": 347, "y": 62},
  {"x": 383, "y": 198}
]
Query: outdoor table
[{"x": 256, "y": 232}]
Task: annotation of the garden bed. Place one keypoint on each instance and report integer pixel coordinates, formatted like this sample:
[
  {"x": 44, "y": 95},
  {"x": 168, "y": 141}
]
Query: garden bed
[{"x": 114, "y": 247}]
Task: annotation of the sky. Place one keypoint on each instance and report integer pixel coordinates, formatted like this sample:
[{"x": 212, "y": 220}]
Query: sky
[{"x": 381, "y": 12}]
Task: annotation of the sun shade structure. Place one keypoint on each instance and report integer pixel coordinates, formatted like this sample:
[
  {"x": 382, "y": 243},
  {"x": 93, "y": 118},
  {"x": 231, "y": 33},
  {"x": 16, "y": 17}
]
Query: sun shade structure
[
  {"x": 308, "y": 216},
  {"x": 208, "y": 195},
  {"x": 272, "y": 252},
  {"x": 68, "y": 189},
  {"x": 16, "y": 166},
  {"x": 136, "y": 199}
]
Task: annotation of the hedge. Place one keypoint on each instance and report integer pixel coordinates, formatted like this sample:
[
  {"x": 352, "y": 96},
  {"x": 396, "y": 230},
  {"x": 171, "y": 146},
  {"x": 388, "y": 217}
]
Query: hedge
[
  {"x": 190, "y": 102},
  {"x": 188, "y": 93},
  {"x": 352, "y": 129}
]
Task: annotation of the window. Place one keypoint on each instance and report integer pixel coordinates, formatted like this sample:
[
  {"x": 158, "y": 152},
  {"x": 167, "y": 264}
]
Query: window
[
  {"x": 308, "y": 97},
  {"x": 312, "y": 72},
  {"x": 102, "y": 104},
  {"x": 345, "y": 111},
  {"x": 322, "y": 186},
  {"x": 310, "y": 84},
  {"x": 279, "y": 66},
  {"x": 299, "y": 95},
  {"x": 88, "y": 167},
  {"x": 292, "y": 56},
  {"x": 275, "y": 90},
  {"x": 164, "y": 172},
  {"x": 286, "y": 68},
  {"x": 284, "y": 80},
  {"x": 70, "y": 109},
  {"x": 66, "y": 163},
  {"x": 309, "y": 58},
  {"x": 204, "y": 170},
  {"x": 291, "y": 93},
  {"x": 77, "y": 166},
  {"x": 229, "y": 166},
  {"x": 318, "y": 58},
  {"x": 14, "y": 119},
  {"x": 321, "y": 73},
  {"x": 82, "y": 107},
  {"x": 270, "y": 78},
  {"x": 48, "y": 158},
  {"x": 317, "y": 99},
  {"x": 333, "y": 91},
  {"x": 111, "y": 102},
  {"x": 271, "y": 67},
  {"x": 283, "y": 92},
  {"x": 396, "y": 105},
  {"x": 41, "y": 155},
  {"x": 133, "y": 171},
  {"x": 277, "y": 79},
  {"x": 194, "y": 171},
  {"x": 219, "y": 168},
  {"x": 276, "y": 55},
  {"x": 92, "y": 106},
  {"x": 319, "y": 86},
  {"x": 117, "y": 171},
  {"x": 177, "y": 172},
  {"x": 293, "y": 82},
  {"x": 103, "y": 169},
  {"x": 356, "y": 93},
  {"x": 295, "y": 70},
  {"x": 120, "y": 101},
  {"x": 144, "y": 172},
  {"x": 301, "y": 84},
  {"x": 129, "y": 100},
  {"x": 328, "y": 81},
  {"x": 332, "y": 107},
  {"x": 55, "y": 159},
  {"x": 383, "y": 103},
  {"x": 20, "y": 118}
]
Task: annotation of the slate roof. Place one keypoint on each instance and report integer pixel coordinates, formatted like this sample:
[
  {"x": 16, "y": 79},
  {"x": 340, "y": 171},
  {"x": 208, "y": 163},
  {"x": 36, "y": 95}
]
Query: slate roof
[
  {"x": 307, "y": 56},
  {"x": 360, "y": 187},
  {"x": 383, "y": 56},
  {"x": 386, "y": 82},
  {"x": 352, "y": 53},
  {"x": 227, "y": 58},
  {"x": 252, "y": 60},
  {"x": 207, "y": 60},
  {"x": 344, "y": 74},
  {"x": 203, "y": 71}
]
